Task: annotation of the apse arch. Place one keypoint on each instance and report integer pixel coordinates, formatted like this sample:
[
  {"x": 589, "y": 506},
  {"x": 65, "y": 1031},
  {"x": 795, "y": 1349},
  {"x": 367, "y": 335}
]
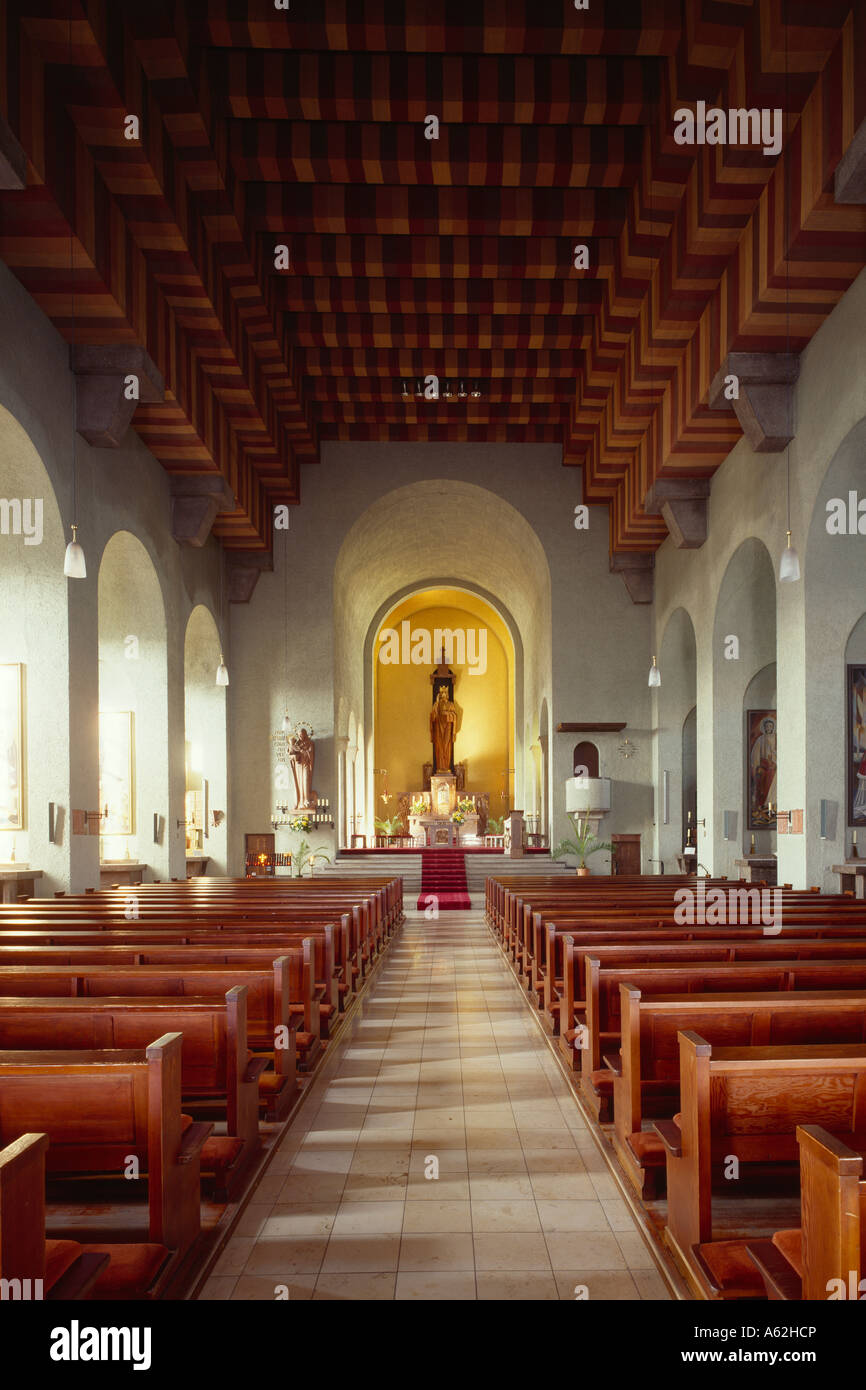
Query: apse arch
[
  {"x": 441, "y": 533},
  {"x": 34, "y": 663},
  {"x": 133, "y": 705}
]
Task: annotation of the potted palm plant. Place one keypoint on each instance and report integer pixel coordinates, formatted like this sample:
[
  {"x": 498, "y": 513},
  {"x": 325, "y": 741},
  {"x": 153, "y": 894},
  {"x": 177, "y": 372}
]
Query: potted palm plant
[{"x": 583, "y": 845}]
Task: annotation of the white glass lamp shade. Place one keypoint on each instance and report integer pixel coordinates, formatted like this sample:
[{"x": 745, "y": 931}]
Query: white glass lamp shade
[
  {"x": 655, "y": 676},
  {"x": 789, "y": 566},
  {"x": 587, "y": 795},
  {"x": 222, "y": 675},
  {"x": 287, "y": 724},
  {"x": 73, "y": 562}
]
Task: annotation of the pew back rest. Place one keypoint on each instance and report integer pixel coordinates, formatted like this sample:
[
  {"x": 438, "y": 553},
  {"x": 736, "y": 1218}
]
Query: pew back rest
[{"x": 833, "y": 1211}]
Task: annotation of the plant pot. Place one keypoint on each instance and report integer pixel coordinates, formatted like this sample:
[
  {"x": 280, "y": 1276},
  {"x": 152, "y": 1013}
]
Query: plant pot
[{"x": 582, "y": 871}]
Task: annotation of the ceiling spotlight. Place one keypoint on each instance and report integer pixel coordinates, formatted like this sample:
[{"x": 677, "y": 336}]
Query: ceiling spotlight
[
  {"x": 406, "y": 392},
  {"x": 447, "y": 391},
  {"x": 462, "y": 393},
  {"x": 419, "y": 389},
  {"x": 476, "y": 391}
]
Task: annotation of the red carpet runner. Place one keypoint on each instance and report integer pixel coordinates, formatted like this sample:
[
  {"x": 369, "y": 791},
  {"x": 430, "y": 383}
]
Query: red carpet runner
[{"x": 443, "y": 874}]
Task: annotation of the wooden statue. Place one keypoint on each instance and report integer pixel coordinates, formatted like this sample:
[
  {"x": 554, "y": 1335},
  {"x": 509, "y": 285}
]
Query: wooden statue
[
  {"x": 302, "y": 755},
  {"x": 443, "y": 726}
]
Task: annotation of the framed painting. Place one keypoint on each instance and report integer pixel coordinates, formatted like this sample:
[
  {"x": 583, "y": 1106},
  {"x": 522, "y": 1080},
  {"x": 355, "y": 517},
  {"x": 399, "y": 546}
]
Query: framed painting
[
  {"x": 855, "y": 751},
  {"x": 12, "y": 746},
  {"x": 761, "y": 769},
  {"x": 117, "y": 772}
]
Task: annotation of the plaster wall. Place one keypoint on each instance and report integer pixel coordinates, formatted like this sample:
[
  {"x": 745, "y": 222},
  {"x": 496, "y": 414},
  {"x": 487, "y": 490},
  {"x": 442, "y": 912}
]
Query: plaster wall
[
  {"x": 118, "y": 489},
  {"x": 812, "y": 617}
]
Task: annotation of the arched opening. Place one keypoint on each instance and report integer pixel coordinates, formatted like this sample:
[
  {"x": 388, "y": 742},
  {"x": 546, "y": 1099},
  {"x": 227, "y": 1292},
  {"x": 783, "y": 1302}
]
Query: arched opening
[
  {"x": 676, "y": 773},
  {"x": 133, "y": 709},
  {"x": 205, "y": 743},
  {"x": 443, "y": 535},
  {"x": 744, "y": 671},
  {"x": 34, "y": 667},
  {"x": 409, "y": 645}
]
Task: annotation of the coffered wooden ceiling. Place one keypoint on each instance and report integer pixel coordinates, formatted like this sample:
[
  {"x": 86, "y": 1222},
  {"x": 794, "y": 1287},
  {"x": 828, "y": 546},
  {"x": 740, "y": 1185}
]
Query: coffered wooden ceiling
[{"x": 412, "y": 256}]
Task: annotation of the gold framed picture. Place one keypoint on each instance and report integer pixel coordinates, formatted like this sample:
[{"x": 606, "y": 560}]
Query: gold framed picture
[
  {"x": 117, "y": 772},
  {"x": 11, "y": 746}
]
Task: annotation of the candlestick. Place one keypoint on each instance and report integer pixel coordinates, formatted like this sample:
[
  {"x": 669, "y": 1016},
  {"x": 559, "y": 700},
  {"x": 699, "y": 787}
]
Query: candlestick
[
  {"x": 854, "y": 853},
  {"x": 752, "y": 846}
]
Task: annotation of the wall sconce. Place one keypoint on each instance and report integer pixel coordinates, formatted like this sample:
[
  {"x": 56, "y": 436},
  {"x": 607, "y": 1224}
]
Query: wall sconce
[{"x": 218, "y": 818}]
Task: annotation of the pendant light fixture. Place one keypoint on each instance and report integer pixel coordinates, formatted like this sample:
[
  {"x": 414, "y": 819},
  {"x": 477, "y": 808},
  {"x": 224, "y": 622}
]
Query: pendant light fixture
[
  {"x": 74, "y": 566},
  {"x": 655, "y": 675},
  {"x": 789, "y": 565}
]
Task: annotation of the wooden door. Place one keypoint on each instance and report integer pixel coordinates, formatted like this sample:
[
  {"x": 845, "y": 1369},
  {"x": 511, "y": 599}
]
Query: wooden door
[{"x": 626, "y": 854}]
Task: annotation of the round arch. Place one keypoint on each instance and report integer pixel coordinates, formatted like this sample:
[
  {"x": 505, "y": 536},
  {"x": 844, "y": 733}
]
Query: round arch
[
  {"x": 206, "y": 782},
  {"x": 744, "y": 644},
  {"x": 34, "y": 664},
  {"x": 133, "y": 707},
  {"x": 441, "y": 533}
]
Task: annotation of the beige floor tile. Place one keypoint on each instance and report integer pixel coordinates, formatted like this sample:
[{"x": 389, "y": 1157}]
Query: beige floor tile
[
  {"x": 430, "y": 1285},
  {"x": 572, "y": 1216},
  {"x": 446, "y": 1188},
  {"x": 635, "y": 1251},
  {"x": 511, "y": 1250},
  {"x": 234, "y": 1256},
  {"x": 505, "y": 1216},
  {"x": 252, "y": 1219},
  {"x": 584, "y": 1250},
  {"x": 258, "y": 1288},
  {"x": 365, "y": 1252},
  {"x": 218, "y": 1287},
  {"x": 650, "y": 1284},
  {"x": 508, "y": 1286},
  {"x": 355, "y": 1288},
  {"x": 599, "y": 1285},
  {"x": 311, "y": 1188},
  {"x": 618, "y": 1215},
  {"x": 497, "y": 1187},
  {"x": 368, "y": 1218},
  {"x": 430, "y": 1217},
  {"x": 313, "y": 1219},
  {"x": 439, "y": 1250},
  {"x": 373, "y": 1187},
  {"x": 280, "y": 1258},
  {"x": 562, "y": 1187}
]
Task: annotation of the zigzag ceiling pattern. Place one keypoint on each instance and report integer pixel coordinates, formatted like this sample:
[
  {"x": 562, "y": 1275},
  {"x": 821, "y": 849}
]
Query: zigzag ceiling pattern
[{"x": 411, "y": 256}]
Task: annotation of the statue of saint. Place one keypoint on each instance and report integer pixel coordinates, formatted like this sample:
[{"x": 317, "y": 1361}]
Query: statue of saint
[
  {"x": 302, "y": 752},
  {"x": 443, "y": 727}
]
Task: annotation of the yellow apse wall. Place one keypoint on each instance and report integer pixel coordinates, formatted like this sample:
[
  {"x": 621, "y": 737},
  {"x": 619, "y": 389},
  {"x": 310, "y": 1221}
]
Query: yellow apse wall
[{"x": 403, "y": 696}]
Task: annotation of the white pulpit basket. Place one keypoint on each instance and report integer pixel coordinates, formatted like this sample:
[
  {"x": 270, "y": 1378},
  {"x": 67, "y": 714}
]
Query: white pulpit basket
[{"x": 587, "y": 796}]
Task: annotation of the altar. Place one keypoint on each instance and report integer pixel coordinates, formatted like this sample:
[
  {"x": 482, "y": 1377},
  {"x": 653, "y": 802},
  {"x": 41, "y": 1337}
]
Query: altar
[{"x": 433, "y": 821}]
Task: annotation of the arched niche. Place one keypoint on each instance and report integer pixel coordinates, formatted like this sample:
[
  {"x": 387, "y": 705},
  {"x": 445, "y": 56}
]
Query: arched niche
[
  {"x": 585, "y": 756},
  {"x": 676, "y": 700},
  {"x": 34, "y": 665},
  {"x": 133, "y": 707},
  {"x": 205, "y": 742},
  {"x": 744, "y": 645}
]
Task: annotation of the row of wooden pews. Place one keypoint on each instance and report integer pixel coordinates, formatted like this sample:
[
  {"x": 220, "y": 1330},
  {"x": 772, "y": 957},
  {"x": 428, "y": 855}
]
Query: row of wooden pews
[
  {"x": 723, "y": 1065},
  {"x": 152, "y": 1043}
]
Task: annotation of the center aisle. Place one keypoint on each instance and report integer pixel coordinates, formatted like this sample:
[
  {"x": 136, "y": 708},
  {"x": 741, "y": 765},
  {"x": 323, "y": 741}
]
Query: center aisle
[{"x": 443, "y": 1063}]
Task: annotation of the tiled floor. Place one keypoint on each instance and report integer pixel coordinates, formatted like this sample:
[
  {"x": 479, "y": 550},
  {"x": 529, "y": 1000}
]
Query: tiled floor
[{"x": 439, "y": 1154}]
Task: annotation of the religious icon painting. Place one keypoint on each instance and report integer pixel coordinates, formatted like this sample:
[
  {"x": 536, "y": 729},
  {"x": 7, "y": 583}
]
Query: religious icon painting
[
  {"x": 761, "y": 769},
  {"x": 855, "y": 753},
  {"x": 11, "y": 746}
]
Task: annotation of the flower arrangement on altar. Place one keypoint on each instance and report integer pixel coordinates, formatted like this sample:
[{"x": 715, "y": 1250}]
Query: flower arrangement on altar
[
  {"x": 458, "y": 817},
  {"x": 419, "y": 804},
  {"x": 466, "y": 805},
  {"x": 301, "y": 823}
]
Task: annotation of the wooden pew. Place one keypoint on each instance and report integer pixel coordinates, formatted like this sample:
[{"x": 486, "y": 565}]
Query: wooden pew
[
  {"x": 100, "y": 1108},
  {"x": 746, "y": 1103},
  {"x": 646, "y": 1081},
  {"x": 32, "y": 1267},
  {"x": 272, "y": 992},
  {"x": 601, "y": 1019},
  {"x": 826, "y": 1257},
  {"x": 216, "y": 1074}
]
